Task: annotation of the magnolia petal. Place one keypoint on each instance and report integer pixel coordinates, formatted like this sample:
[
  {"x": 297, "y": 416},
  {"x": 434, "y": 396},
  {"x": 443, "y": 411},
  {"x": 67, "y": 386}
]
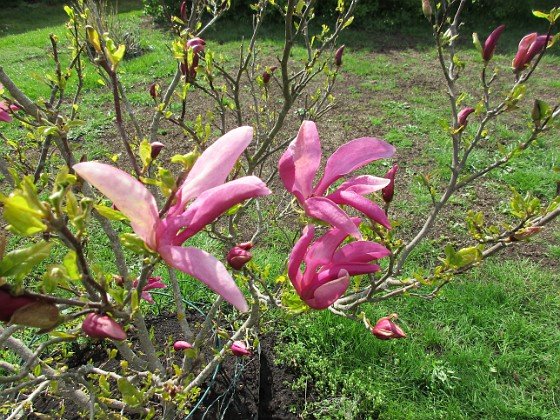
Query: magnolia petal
[
  {"x": 4, "y": 116},
  {"x": 326, "y": 294},
  {"x": 519, "y": 60},
  {"x": 297, "y": 254},
  {"x": 363, "y": 184},
  {"x": 324, "y": 209},
  {"x": 214, "y": 165},
  {"x": 330, "y": 272},
  {"x": 214, "y": 202},
  {"x": 130, "y": 196},
  {"x": 360, "y": 252},
  {"x": 207, "y": 269},
  {"x": 322, "y": 250},
  {"x": 364, "y": 205},
  {"x": 351, "y": 156}
]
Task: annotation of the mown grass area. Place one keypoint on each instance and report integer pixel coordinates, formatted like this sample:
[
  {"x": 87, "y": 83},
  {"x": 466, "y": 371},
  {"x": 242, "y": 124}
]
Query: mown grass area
[{"x": 488, "y": 346}]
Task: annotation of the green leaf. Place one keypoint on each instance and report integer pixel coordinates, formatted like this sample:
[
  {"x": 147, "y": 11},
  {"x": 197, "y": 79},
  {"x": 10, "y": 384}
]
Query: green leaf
[
  {"x": 70, "y": 264},
  {"x": 21, "y": 261},
  {"x": 23, "y": 219},
  {"x": 109, "y": 213},
  {"x": 145, "y": 151},
  {"x": 541, "y": 14},
  {"x": 131, "y": 396}
]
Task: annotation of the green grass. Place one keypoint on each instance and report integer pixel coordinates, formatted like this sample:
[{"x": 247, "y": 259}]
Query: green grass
[{"x": 486, "y": 348}]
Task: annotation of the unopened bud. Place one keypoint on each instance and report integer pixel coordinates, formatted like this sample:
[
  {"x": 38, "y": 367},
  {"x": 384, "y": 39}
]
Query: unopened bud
[
  {"x": 239, "y": 349},
  {"x": 427, "y": 9},
  {"x": 182, "y": 345},
  {"x": 103, "y": 326},
  {"x": 156, "y": 148},
  {"x": 268, "y": 73},
  {"x": 154, "y": 90},
  {"x": 462, "y": 116},
  {"x": 491, "y": 41},
  {"x": 338, "y": 56},
  {"x": 239, "y": 255},
  {"x": 389, "y": 190},
  {"x": 385, "y": 329},
  {"x": 183, "y": 11}
]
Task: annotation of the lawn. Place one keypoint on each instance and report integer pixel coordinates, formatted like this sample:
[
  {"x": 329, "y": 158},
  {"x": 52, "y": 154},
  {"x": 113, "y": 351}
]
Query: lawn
[{"x": 487, "y": 345}]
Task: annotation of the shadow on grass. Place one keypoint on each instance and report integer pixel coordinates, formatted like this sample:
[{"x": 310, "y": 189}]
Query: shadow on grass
[{"x": 22, "y": 16}]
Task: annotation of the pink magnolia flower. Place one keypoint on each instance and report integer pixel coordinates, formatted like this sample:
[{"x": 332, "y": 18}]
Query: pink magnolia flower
[
  {"x": 389, "y": 191},
  {"x": 268, "y": 73},
  {"x": 491, "y": 41},
  {"x": 197, "y": 46},
  {"x": 210, "y": 196},
  {"x": 182, "y": 345},
  {"x": 463, "y": 115},
  {"x": 338, "y": 55},
  {"x": 300, "y": 163},
  {"x": 529, "y": 46},
  {"x": 385, "y": 329},
  {"x": 239, "y": 255},
  {"x": 4, "y": 111},
  {"x": 239, "y": 349},
  {"x": 103, "y": 326},
  {"x": 328, "y": 268},
  {"x": 153, "y": 283}
]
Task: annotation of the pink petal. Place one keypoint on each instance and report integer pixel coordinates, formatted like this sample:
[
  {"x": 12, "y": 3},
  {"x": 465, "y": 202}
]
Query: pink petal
[
  {"x": 321, "y": 252},
  {"x": 147, "y": 297},
  {"x": 351, "y": 156},
  {"x": 207, "y": 269},
  {"x": 4, "y": 116},
  {"x": 364, "y": 205},
  {"x": 327, "y": 273},
  {"x": 214, "y": 165},
  {"x": 536, "y": 47},
  {"x": 214, "y": 202},
  {"x": 360, "y": 252},
  {"x": 324, "y": 209},
  {"x": 519, "y": 60},
  {"x": 297, "y": 254},
  {"x": 300, "y": 162},
  {"x": 325, "y": 295},
  {"x": 363, "y": 184},
  {"x": 130, "y": 196}
]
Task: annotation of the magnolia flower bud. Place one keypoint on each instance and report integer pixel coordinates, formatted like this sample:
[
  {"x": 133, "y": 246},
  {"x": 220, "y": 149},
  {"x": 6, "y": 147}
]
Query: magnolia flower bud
[
  {"x": 239, "y": 349},
  {"x": 154, "y": 90},
  {"x": 385, "y": 329},
  {"x": 389, "y": 190},
  {"x": 268, "y": 73},
  {"x": 182, "y": 345},
  {"x": 491, "y": 41},
  {"x": 24, "y": 310},
  {"x": 103, "y": 326},
  {"x": 462, "y": 116},
  {"x": 528, "y": 48},
  {"x": 156, "y": 148},
  {"x": 427, "y": 9},
  {"x": 183, "y": 11},
  {"x": 338, "y": 56},
  {"x": 239, "y": 255}
]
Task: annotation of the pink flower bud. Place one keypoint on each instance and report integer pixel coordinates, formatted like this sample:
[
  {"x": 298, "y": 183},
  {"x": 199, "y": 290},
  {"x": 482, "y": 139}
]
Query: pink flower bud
[
  {"x": 338, "y": 56},
  {"x": 491, "y": 41},
  {"x": 103, "y": 326},
  {"x": 239, "y": 255},
  {"x": 182, "y": 345},
  {"x": 153, "y": 89},
  {"x": 462, "y": 116},
  {"x": 529, "y": 46},
  {"x": 389, "y": 190},
  {"x": 268, "y": 73},
  {"x": 183, "y": 11},
  {"x": 156, "y": 148},
  {"x": 385, "y": 329},
  {"x": 527, "y": 232},
  {"x": 9, "y": 304},
  {"x": 239, "y": 349}
]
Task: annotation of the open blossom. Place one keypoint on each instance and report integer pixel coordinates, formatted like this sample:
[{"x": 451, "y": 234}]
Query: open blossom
[
  {"x": 528, "y": 48},
  {"x": 209, "y": 198},
  {"x": 491, "y": 41},
  {"x": 103, "y": 326},
  {"x": 300, "y": 163},
  {"x": 328, "y": 268},
  {"x": 153, "y": 283},
  {"x": 385, "y": 329},
  {"x": 239, "y": 349}
]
